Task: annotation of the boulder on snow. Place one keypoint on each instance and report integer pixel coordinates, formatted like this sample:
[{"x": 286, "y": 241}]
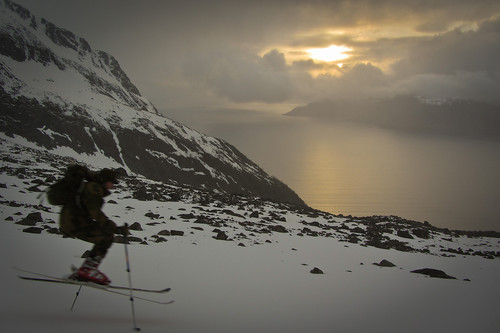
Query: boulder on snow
[
  {"x": 31, "y": 219},
  {"x": 254, "y": 214},
  {"x": 26, "y": 222},
  {"x": 385, "y": 263},
  {"x": 278, "y": 228},
  {"x": 177, "y": 233},
  {"x": 221, "y": 235},
  {"x": 120, "y": 239},
  {"x": 164, "y": 233},
  {"x": 404, "y": 234},
  {"x": 316, "y": 270},
  {"x": 33, "y": 230},
  {"x": 435, "y": 273},
  {"x": 135, "y": 226},
  {"x": 134, "y": 239},
  {"x": 37, "y": 217}
]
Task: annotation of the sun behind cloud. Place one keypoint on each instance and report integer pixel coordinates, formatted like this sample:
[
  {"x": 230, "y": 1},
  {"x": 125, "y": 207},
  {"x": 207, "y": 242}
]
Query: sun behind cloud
[{"x": 331, "y": 53}]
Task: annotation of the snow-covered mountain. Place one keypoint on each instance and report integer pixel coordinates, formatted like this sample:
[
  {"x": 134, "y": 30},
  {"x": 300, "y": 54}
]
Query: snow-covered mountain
[{"x": 60, "y": 95}]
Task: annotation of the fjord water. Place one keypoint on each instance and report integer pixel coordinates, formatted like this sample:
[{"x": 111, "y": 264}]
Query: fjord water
[{"x": 359, "y": 170}]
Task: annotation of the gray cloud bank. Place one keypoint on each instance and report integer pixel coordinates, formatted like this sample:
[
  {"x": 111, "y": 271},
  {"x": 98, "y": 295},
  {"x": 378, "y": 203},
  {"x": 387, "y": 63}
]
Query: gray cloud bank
[
  {"x": 192, "y": 53},
  {"x": 457, "y": 64}
]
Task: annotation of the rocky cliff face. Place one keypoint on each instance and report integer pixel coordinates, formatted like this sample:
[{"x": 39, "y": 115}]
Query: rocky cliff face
[{"x": 60, "y": 95}]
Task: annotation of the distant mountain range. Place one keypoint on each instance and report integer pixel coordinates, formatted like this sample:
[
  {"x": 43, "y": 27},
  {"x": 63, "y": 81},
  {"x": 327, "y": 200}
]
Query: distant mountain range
[
  {"x": 412, "y": 113},
  {"x": 58, "y": 94}
]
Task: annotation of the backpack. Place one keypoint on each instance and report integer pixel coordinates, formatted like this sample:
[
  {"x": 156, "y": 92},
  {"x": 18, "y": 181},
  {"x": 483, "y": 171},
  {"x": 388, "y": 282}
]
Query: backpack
[{"x": 66, "y": 189}]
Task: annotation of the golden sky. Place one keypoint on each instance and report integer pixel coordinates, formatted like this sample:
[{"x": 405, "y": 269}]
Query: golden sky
[{"x": 239, "y": 53}]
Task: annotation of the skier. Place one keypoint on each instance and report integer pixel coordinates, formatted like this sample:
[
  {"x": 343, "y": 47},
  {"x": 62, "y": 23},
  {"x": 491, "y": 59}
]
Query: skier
[{"x": 83, "y": 218}]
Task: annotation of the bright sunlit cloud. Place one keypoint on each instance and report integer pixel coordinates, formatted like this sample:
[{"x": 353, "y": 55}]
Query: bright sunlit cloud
[{"x": 331, "y": 53}]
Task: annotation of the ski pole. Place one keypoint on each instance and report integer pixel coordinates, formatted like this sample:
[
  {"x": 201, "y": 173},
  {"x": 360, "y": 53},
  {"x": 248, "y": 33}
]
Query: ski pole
[
  {"x": 130, "y": 280},
  {"x": 77, "y": 294}
]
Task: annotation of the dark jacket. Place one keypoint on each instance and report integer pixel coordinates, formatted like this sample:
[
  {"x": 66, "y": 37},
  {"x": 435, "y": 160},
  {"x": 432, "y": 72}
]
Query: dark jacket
[{"x": 85, "y": 212}]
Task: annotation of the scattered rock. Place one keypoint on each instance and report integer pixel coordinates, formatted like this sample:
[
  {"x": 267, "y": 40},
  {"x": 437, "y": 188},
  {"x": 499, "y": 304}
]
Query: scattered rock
[
  {"x": 135, "y": 226},
  {"x": 187, "y": 216},
  {"x": 26, "y": 222},
  {"x": 54, "y": 231},
  {"x": 164, "y": 233},
  {"x": 230, "y": 212},
  {"x": 35, "y": 217},
  {"x": 254, "y": 214},
  {"x": 385, "y": 263},
  {"x": 120, "y": 239},
  {"x": 152, "y": 215},
  {"x": 316, "y": 270},
  {"x": 160, "y": 240},
  {"x": 353, "y": 239},
  {"x": 153, "y": 223},
  {"x": 34, "y": 189},
  {"x": 404, "y": 234},
  {"x": 134, "y": 239},
  {"x": 33, "y": 230},
  {"x": 278, "y": 228},
  {"x": 221, "y": 235},
  {"x": 435, "y": 273},
  {"x": 177, "y": 233},
  {"x": 422, "y": 233}
]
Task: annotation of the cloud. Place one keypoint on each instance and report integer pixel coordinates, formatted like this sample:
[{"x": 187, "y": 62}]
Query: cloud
[
  {"x": 462, "y": 64},
  {"x": 241, "y": 76},
  {"x": 359, "y": 82},
  {"x": 208, "y": 52},
  {"x": 454, "y": 51}
]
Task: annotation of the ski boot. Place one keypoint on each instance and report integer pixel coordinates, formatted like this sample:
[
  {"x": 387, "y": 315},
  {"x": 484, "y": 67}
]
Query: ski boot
[{"x": 88, "y": 272}]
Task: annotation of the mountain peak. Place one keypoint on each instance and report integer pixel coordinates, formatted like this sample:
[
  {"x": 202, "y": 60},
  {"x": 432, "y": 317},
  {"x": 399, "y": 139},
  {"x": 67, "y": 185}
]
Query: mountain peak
[
  {"x": 26, "y": 38},
  {"x": 73, "y": 100}
]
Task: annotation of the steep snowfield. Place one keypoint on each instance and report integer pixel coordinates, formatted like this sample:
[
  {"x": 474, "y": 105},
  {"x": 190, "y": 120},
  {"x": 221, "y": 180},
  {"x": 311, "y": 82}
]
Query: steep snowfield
[
  {"x": 218, "y": 286},
  {"x": 75, "y": 100}
]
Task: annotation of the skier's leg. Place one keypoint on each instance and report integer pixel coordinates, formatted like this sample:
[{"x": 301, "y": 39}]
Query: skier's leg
[{"x": 102, "y": 238}]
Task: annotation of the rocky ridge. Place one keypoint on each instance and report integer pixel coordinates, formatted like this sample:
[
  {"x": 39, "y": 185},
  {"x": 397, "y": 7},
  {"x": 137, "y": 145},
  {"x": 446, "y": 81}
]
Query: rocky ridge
[{"x": 170, "y": 212}]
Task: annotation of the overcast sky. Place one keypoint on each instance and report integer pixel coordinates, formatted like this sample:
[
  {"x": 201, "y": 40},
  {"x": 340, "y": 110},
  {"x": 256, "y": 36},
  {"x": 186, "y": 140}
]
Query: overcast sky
[{"x": 254, "y": 54}]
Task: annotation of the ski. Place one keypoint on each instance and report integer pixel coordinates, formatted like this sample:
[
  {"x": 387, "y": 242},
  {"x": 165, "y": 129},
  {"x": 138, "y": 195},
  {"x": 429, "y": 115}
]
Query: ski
[
  {"x": 91, "y": 285},
  {"x": 68, "y": 281}
]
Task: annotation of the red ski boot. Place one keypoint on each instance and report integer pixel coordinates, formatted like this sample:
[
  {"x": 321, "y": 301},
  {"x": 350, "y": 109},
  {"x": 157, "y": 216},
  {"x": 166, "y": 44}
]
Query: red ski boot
[{"x": 89, "y": 272}]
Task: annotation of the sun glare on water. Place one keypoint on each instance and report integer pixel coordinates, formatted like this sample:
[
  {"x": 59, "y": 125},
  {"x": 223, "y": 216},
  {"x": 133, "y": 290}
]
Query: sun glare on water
[{"x": 331, "y": 53}]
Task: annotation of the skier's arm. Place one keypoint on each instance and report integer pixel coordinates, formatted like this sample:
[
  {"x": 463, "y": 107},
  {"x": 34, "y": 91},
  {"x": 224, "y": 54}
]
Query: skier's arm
[{"x": 93, "y": 203}]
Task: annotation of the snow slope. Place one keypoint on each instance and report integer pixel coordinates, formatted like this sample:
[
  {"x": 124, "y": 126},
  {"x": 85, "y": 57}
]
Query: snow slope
[
  {"x": 223, "y": 286},
  {"x": 71, "y": 99}
]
